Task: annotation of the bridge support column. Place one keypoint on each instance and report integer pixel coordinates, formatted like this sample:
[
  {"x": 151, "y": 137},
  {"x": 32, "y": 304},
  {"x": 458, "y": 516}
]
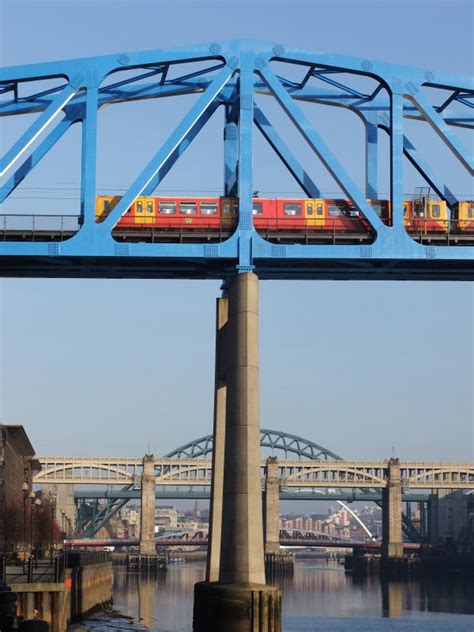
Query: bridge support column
[
  {"x": 271, "y": 508},
  {"x": 240, "y": 601},
  {"x": 147, "y": 518},
  {"x": 392, "y": 541},
  {"x": 220, "y": 394}
]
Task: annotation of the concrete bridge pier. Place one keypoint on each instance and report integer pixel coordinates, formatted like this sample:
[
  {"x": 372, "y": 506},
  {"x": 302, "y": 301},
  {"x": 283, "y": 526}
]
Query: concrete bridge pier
[
  {"x": 217, "y": 485},
  {"x": 147, "y": 551},
  {"x": 239, "y": 601},
  {"x": 276, "y": 562},
  {"x": 271, "y": 508},
  {"x": 392, "y": 539}
]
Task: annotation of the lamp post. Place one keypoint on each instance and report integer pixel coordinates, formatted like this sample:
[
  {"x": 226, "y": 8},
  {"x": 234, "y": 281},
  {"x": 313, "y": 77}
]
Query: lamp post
[
  {"x": 24, "y": 488},
  {"x": 32, "y": 497},
  {"x": 63, "y": 531},
  {"x": 37, "y": 506},
  {"x": 52, "y": 506}
]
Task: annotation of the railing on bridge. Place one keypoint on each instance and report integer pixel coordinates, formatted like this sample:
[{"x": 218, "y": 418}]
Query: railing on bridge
[{"x": 38, "y": 227}]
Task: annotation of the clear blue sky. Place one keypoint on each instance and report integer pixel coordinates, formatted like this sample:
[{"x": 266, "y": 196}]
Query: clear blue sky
[{"x": 106, "y": 367}]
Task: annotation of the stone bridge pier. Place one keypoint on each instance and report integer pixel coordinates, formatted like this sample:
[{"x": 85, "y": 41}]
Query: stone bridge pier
[
  {"x": 392, "y": 539},
  {"x": 147, "y": 517},
  {"x": 235, "y": 598}
]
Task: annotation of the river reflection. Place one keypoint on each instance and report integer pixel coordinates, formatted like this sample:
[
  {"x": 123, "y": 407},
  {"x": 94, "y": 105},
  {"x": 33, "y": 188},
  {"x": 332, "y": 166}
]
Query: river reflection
[{"x": 316, "y": 596}]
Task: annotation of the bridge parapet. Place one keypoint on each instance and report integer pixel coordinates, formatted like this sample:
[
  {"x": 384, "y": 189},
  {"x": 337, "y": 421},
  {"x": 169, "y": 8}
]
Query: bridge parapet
[{"x": 294, "y": 474}]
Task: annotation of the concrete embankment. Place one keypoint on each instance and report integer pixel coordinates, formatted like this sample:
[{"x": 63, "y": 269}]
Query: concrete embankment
[{"x": 81, "y": 589}]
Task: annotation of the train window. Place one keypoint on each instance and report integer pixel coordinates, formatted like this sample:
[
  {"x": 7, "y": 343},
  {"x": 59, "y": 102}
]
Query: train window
[
  {"x": 377, "y": 208},
  {"x": 470, "y": 212},
  {"x": 208, "y": 208},
  {"x": 139, "y": 207},
  {"x": 106, "y": 206},
  {"x": 188, "y": 208},
  {"x": 226, "y": 209},
  {"x": 335, "y": 211},
  {"x": 319, "y": 209},
  {"x": 292, "y": 208},
  {"x": 435, "y": 210},
  {"x": 167, "y": 208},
  {"x": 257, "y": 208},
  {"x": 235, "y": 209},
  {"x": 149, "y": 207},
  {"x": 309, "y": 209}
]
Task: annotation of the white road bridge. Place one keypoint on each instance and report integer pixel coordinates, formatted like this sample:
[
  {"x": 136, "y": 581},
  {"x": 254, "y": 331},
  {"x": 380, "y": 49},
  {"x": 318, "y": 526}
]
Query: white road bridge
[{"x": 295, "y": 474}]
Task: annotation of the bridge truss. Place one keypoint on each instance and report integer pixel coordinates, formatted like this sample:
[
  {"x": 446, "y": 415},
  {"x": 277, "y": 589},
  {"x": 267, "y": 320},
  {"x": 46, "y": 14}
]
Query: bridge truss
[{"x": 228, "y": 76}]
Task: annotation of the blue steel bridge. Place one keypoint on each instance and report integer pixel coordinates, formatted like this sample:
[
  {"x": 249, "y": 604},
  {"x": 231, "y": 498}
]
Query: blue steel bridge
[{"x": 228, "y": 77}]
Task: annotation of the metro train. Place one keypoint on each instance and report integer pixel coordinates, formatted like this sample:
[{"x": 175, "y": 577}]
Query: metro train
[{"x": 423, "y": 215}]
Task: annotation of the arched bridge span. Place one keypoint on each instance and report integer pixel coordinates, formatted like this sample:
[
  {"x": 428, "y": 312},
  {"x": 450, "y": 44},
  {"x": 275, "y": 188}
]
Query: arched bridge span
[{"x": 276, "y": 440}]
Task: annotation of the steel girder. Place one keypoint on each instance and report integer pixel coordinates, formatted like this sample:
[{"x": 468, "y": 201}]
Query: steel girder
[
  {"x": 231, "y": 76},
  {"x": 273, "y": 439}
]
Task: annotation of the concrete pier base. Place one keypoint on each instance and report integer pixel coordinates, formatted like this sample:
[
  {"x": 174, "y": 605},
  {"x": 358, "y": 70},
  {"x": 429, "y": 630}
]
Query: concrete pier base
[
  {"x": 277, "y": 564},
  {"x": 236, "y": 608}
]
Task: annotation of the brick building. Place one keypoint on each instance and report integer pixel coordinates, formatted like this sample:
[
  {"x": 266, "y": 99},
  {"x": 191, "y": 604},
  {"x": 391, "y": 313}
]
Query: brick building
[{"x": 17, "y": 466}]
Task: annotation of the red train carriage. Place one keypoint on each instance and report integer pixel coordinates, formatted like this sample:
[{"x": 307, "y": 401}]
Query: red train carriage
[{"x": 171, "y": 212}]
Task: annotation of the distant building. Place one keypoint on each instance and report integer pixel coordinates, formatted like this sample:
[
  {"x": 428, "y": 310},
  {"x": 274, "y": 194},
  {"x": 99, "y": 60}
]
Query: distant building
[
  {"x": 450, "y": 517},
  {"x": 62, "y": 499},
  {"x": 166, "y": 517},
  {"x": 17, "y": 467}
]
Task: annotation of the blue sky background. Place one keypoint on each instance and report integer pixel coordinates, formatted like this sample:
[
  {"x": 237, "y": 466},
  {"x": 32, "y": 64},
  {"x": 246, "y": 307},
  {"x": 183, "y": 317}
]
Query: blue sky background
[{"x": 106, "y": 367}]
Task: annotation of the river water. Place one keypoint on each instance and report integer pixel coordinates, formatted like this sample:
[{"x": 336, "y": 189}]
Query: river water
[{"x": 317, "y": 598}]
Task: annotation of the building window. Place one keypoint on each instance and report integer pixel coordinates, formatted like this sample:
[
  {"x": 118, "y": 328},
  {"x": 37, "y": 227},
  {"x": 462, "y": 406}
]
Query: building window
[
  {"x": 208, "y": 208},
  {"x": 188, "y": 208},
  {"x": 292, "y": 208},
  {"x": 257, "y": 208},
  {"x": 167, "y": 208},
  {"x": 139, "y": 207}
]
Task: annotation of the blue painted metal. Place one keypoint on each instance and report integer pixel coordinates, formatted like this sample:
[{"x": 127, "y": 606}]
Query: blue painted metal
[{"x": 230, "y": 76}]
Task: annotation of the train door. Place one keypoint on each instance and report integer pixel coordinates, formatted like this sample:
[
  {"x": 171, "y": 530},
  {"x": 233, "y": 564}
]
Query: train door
[
  {"x": 419, "y": 215},
  {"x": 437, "y": 220},
  {"x": 139, "y": 208},
  {"x": 407, "y": 216},
  {"x": 229, "y": 213},
  {"x": 149, "y": 211},
  {"x": 314, "y": 213},
  {"x": 465, "y": 214}
]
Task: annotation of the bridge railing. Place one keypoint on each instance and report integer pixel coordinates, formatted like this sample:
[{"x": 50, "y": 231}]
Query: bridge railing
[{"x": 32, "y": 226}]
